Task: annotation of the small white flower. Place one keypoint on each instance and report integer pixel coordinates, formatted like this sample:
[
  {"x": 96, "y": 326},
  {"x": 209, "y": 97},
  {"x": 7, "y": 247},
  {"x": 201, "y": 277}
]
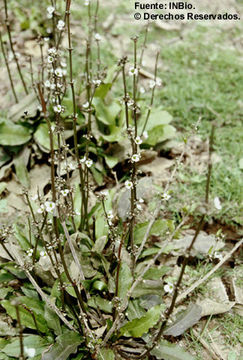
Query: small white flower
[
  {"x": 138, "y": 140},
  {"x": 86, "y": 2},
  {"x": 59, "y": 72},
  {"x": 141, "y": 201},
  {"x": 104, "y": 193},
  {"x": 65, "y": 192},
  {"x": 142, "y": 90},
  {"x": 46, "y": 39},
  {"x": 50, "y": 206},
  {"x": 128, "y": 184},
  {"x": 59, "y": 85},
  {"x": 97, "y": 82},
  {"x": 30, "y": 352},
  {"x": 158, "y": 82},
  {"x": 217, "y": 203},
  {"x": 57, "y": 108},
  {"x": 110, "y": 214},
  {"x": 145, "y": 135},
  {"x": 42, "y": 253},
  {"x": 50, "y": 59},
  {"x": 130, "y": 103},
  {"x": 77, "y": 212},
  {"x": 217, "y": 255},
  {"x": 98, "y": 37},
  {"x": 86, "y": 105},
  {"x": 83, "y": 159},
  {"x": 52, "y": 51},
  {"x": 41, "y": 209},
  {"x": 139, "y": 207},
  {"x": 169, "y": 288},
  {"x": 30, "y": 252},
  {"x": 152, "y": 84},
  {"x": 89, "y": 163},
  {"x": 53, "y": 127},
  {"x": 34, "y": 197},
  {"x": 132, "y": 71},
  {"x": 166, "y": 196},
  {"x": 53, "y": 86},
  {"x": 63, "y": 64},
  {"x": 47, "y": 84},
  {"x": 50, "y": 9},
  {"x": 135, "y": 157},
  {"x": 60, "y": 25}
]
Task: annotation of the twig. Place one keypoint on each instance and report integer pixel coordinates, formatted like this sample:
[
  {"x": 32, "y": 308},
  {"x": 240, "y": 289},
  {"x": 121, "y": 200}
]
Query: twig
[
  {"x": 205, "y": 345},
  {"x": 201, "y": 281}
]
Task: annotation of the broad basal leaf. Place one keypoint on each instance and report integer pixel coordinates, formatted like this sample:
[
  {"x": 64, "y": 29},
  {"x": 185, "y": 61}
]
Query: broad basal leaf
[
  {"x": 41, "y": 137},
  {"x": 34, "y": 342},
  {"x": 65, "y": 345},
  {"x": 36, "y": 306},
  {"x": 125, "y": 280},
  {"x": 12, "y": 134},
  {"x": 140, "y": 326},
  {"x": 167, "y": 351}
]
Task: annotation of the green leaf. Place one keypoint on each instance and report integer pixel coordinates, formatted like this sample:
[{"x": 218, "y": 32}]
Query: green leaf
[
  {"x": 159, "y": 227},
  {"x": 52, "y": 319},
  {"x": 159, "y": 134},
  {"x": 125, "y": 280},
  {"x": 65, "y": 345},
  {"x": 41, "y": 137},
  {"x": 106, "y": 113},
  {"x": 106, "y": 354},
  {"x": 102, "y": 90},
  {"x": 26, "y": 318},
  {"x": 12, "y": 134},
  {"x": 140, "y": 326},
  {"x": 135, "y": 310},
  {"x": 102, "y": 304},
  {"x": 167, "y": 351},
  {"x": 21, "y": 172},
  {"x": 33, "y": 341},
  {"x": 20, "y": 236}
]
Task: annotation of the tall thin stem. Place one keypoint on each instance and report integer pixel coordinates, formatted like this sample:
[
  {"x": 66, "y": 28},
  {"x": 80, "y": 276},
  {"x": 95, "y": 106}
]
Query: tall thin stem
[
  {"x": 8, "y": 69},
  {"x": 12, "y": 47}
]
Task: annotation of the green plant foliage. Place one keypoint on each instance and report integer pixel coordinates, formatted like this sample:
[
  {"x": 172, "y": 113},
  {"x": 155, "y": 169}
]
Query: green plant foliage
[
  {"x": 35, "y": 342},
  {"x": 106, "y": 354},
  {"x": 27, "y": 320},
  {"x": 138, "y": 327},
  {"x": 13, "y": 134},
  {"x": 41, "y": 137},
  {"x": 125, "y": 280},
  {"x": 64, "y": 346},
  {"x": 166, "y": 351}
]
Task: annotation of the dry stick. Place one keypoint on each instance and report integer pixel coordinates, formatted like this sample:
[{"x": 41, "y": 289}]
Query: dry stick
[
  {"x": 185, "y": 261},
  {"x": 41, "y": 293},
  {"x": 22, "y": 357},
  {"x": 12, "y": 48},
  {"x": 212, "y": 271},
  {"x": 8, "y": 69},
  {"x": 205, "y": 345}
]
